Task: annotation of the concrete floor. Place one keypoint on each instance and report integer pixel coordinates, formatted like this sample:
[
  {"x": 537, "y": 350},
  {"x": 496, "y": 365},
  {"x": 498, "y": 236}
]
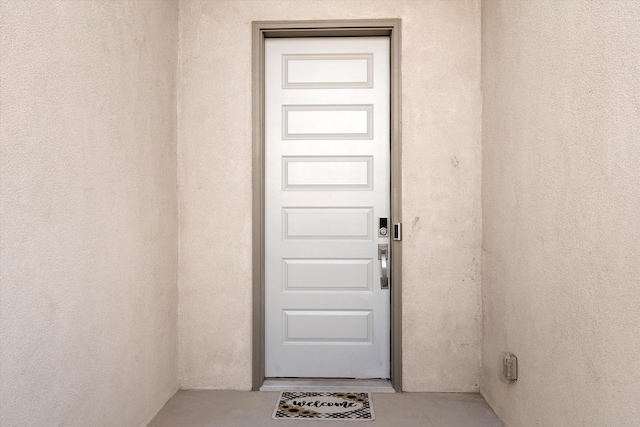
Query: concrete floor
[{"x": 195, "y": 408}]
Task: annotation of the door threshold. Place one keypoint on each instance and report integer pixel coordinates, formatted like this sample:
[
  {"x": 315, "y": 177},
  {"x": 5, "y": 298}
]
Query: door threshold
[{"x": 333, "y": 385}]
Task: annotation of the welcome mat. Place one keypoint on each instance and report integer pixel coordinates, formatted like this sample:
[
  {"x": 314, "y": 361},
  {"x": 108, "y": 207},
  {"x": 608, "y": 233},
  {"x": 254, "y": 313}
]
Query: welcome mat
[{"x": 306, "y": 405}]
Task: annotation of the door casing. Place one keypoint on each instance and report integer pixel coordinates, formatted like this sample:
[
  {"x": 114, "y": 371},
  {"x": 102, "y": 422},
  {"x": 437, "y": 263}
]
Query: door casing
[{"x": 341, "y": 28}]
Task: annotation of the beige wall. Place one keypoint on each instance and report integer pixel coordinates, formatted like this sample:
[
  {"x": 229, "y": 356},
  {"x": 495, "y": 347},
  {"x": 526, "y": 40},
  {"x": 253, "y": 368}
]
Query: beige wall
[
  {"x": 88, "y": 263},
  {"x": 441, "y": 196},
  {"x": 561, "y": 208}
]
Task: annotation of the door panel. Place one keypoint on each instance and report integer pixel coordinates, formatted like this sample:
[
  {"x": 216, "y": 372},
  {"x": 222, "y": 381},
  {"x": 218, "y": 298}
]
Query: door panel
[
  {"x": 328, "y": 122},
  {"x": 326, "y": 186},
  {"x": 327, "y": 223},
  {"x": 328, "y": 173},
  {"x": 328, "y": 274},
  {"x": 328, "y": 326},
  {"x": 309, "y": 71}
]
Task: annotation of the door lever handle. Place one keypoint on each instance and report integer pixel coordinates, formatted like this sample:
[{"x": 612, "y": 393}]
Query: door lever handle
[{"x": 383, "y": 256}]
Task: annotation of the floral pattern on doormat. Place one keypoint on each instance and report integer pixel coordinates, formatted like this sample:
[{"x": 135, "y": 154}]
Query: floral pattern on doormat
[{"x": 305, "y": 405}]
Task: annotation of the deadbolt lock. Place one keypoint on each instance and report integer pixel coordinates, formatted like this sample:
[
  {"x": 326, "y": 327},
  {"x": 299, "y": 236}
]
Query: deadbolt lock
[{"x": 383, "y": 231}]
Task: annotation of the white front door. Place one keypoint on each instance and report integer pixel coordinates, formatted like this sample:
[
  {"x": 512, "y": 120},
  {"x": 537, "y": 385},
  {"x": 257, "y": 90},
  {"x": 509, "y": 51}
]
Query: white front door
[{"x": 327, "y": 184}]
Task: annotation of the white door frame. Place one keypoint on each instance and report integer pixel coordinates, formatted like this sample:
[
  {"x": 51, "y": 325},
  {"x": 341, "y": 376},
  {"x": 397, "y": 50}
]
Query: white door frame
[{"x": 260, "y": 31}]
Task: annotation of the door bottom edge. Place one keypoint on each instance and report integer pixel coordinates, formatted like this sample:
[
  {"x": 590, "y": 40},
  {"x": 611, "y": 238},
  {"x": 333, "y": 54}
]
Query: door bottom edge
[{"x": 330, "y": 385}]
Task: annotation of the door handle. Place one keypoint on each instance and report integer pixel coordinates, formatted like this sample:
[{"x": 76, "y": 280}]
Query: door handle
[{"x": 383, "y": 256}]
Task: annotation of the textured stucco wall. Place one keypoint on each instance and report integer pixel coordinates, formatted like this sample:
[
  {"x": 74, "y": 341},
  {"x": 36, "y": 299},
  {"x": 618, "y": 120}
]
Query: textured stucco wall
[
  {"x": 88, "y": 263},
  {"x": 561, "y": 209},
  {"x": 441, "y": 172}
]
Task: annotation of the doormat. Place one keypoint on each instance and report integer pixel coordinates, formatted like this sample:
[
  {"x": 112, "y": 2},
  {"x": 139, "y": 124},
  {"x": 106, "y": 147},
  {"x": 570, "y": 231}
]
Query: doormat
[{"x": 305, "y": 405}]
